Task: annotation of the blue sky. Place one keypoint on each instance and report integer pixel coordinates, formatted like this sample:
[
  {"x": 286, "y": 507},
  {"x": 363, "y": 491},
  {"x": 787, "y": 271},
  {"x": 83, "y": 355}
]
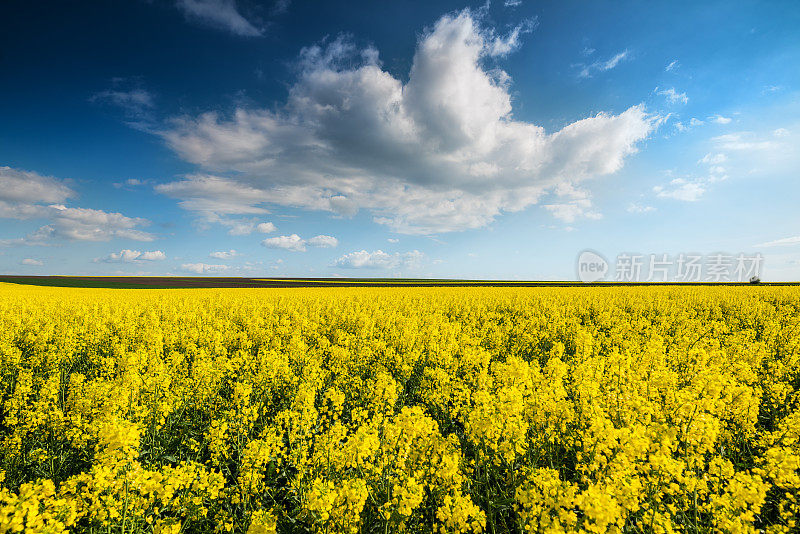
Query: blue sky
[{"x": 420, "y": 139}]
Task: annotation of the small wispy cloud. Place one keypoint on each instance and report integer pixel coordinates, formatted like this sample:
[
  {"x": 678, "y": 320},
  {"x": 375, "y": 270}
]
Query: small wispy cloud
[
  {"x": 502, "y": 45},
  {"x": 743, "y": 141},
  {"x": 713, "y": 159},
  {"x": 633, "y": 207},
  {"x": 785, "y": 242},
  {"x": 129, "y": 97},
  {"x": 202, "y": 268},
  {"x": 603, "y": 66},
  {"x": 224, "y": 254},
  {"x": 772, "y": 89},
  {"x": 134, "y": 102},
  {"x": 673, "y": 96},
  {"x": 673, "y": 65},
  {"x": 32, "y": 261},
  {"x": 221, "y": 14},
  {"x": 280, "y": 7},
  {"x": 719, "y": 119},
  {"x": 131, "y": 182},
  {"x": 691, "y": 189},
  {"x": 323, "y": 241},
  {"x": 681, "y": 189},
  {"x": 684, "y": 127}
]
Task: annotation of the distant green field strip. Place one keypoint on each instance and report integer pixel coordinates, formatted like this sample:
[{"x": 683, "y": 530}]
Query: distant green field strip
[{"x": 71, "y": 281}]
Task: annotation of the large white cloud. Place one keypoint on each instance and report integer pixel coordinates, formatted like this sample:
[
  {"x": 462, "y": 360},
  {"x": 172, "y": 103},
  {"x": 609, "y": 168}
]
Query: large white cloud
[{"x": 440, "y": 152}]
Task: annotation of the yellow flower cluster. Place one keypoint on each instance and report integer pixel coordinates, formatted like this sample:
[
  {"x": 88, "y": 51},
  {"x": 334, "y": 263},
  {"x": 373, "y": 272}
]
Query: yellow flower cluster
[{"x": 356, "y": 410}]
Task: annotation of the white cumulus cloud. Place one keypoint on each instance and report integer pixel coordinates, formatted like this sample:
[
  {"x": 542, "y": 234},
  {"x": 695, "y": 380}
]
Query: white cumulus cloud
[
  {"x": 32, "y": 261},
  {"x": 84, "y": 224},
  {"x": 265, "y": 227},
  {"x": 439, "y": 152},
  {"x": 245, "y": 227},
  {"x": 27, "y": 187},
  {"x": 29, "y": 195},
  {"x": 153, "y": 255},
  {"x": 23, "y": 194},
  {"x": 129, "y": 256},
  {"x": 293, "y": 242},
  {"x": 380, "y": 260}
]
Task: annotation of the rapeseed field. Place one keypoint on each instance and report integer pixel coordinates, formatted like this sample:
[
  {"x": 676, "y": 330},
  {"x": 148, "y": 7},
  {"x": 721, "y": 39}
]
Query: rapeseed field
[{"x": 377, "y": 410}]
